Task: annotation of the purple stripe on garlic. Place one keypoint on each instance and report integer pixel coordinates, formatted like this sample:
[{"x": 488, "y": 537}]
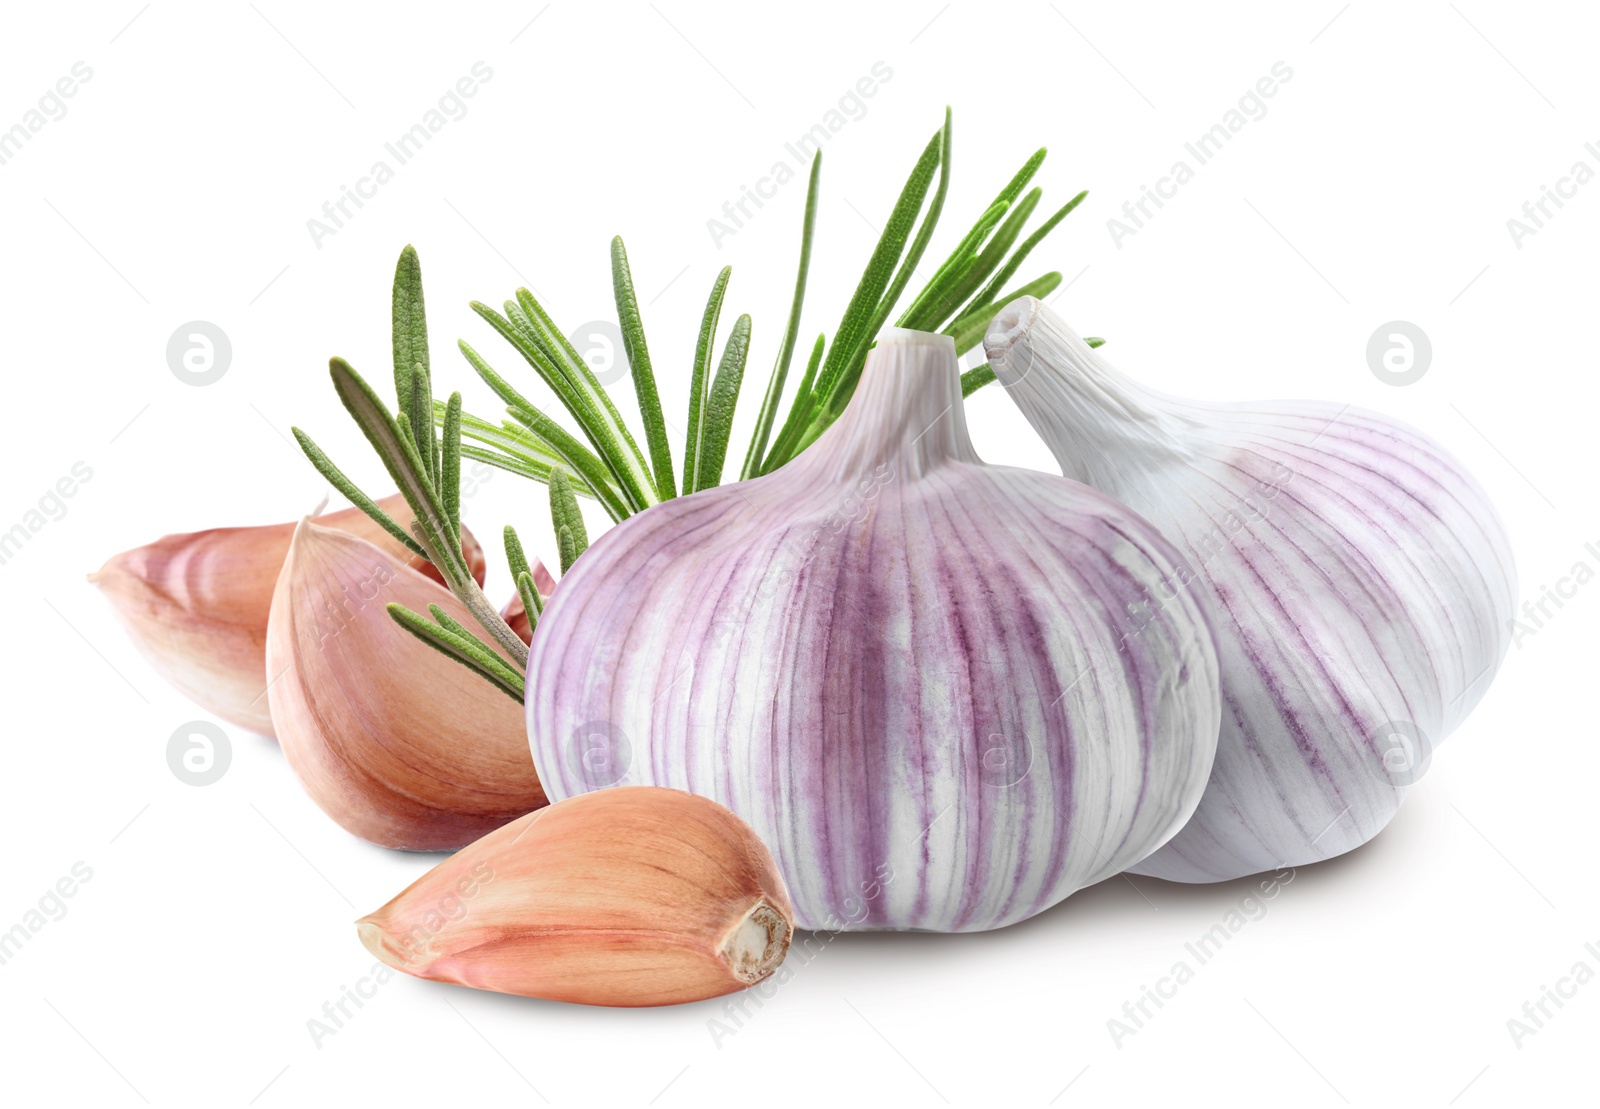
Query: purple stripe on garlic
[
  {"x": 922, "y": 680},
  {"x": 1360, "y": 584}
]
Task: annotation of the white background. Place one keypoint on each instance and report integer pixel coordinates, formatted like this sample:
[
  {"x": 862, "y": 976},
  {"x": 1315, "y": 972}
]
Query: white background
[{"x": 177, "y": 187}]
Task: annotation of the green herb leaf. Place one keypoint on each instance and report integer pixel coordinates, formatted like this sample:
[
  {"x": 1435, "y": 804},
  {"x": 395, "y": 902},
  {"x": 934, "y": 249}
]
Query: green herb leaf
[
  {"x": 471, "y": 652},
  {"x": 399, "y": 456},
  {"x": 853, "y": 328},
  {"x": 576, "y": 457},
  {"x": 769, "y": 404},
  {"x": 567, "y": 518},
  {"x": 839, "y": 395},
  {"x": 516, "y": 558},
  {"x": 721, "y": 404},
  {"x": 948, "y": 301},
  {"x": 532, "y": 603},
  {"x": 644, "y": 378},
  {"x": 998, "y": 281},
  {"x": 450, "y": 465},
  {"x": 339, "y": 481},
  {"x": 567, "y": 545},
  {"x": 799, "y": 414},
  {"x": 420, "y": 417},
  {"x": 700, "y": 381},
  {"x": 606, "y": 450},
  {"x": 617, "y": 442},
  {"x": 532, "y": 606},
  {"x": 410, "y": 325}
]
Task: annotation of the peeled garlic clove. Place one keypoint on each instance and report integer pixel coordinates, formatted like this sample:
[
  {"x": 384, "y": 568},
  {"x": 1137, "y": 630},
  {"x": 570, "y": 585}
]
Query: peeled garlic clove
[
  {"x": 196, "y": 605},
  {"x": 916, "y": 676},
  {"x": 638, "y": 896},
  {"x": 400, "y": 746},
  {"x": 515, "y": 614},
  {"x": 1360, "y": 583}
]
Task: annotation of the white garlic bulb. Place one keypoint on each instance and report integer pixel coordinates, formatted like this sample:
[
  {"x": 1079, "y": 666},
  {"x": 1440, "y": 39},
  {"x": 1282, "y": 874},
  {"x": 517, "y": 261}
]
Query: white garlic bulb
[
  {"x": 914, "y": 675},
  {"x": 1360, "y": 584}
]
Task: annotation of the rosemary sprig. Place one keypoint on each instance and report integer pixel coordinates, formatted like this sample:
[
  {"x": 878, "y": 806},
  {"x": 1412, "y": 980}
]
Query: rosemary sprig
[
  {"x": 962, "y": 297},
  {"x": 427, "y": 472}
]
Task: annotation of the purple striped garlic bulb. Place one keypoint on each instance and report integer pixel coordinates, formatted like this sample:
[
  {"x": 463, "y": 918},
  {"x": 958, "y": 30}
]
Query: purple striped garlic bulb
[
  {"x": 1359, "y": 581},
  {"x": 914, "y": 675}
]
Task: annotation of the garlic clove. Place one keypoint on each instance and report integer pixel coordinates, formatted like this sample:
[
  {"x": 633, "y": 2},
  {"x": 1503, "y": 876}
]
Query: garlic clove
[
  {"x": 196, "y": 604},
  {"x": 632, "y": 896},
  {"x": 921, "y": 679},
  {"x": 515, "y": 614},
  {"x": 1360, "y": 584},
  {"x": 399, "y": 746}
]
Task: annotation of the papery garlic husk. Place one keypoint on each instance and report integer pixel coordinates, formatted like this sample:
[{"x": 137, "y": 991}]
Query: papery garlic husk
[
  {"x": 913, "y": 674},
  {"x": 515, "y": 614},
  {"x": 637, "y": 896},
  {"x": 196, "y": 604},
  {"x": 400, "y": 745},
  {"x": 1359, "y": 580}
]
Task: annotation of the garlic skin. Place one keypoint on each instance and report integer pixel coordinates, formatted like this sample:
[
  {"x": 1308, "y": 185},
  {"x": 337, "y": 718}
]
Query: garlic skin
[
  {"x": 628, "y": 897},
  {"x": 196, "y": 605},
  {"x": 913, "y": 674},
  {"x": 1359, "y": 580},
  {"x": 398, "y": 745}
]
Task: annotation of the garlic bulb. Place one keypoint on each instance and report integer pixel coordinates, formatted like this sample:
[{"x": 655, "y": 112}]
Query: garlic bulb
[
  {"x": 196, "y": 605},
  {"x": 399, "y": 746},
  {"x": 1359, "y": 582},
  {"x": 623, "y": 897},
  {"x": 913, "y": 674}
]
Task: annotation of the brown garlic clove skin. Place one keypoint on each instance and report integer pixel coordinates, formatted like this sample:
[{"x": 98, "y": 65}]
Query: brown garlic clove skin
[
  {"x": 630, "y": 896},
  {"x": 399, "y": 745},
  {"x": 196, "y": 604},
  {"x": 515, "y": 613}
]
